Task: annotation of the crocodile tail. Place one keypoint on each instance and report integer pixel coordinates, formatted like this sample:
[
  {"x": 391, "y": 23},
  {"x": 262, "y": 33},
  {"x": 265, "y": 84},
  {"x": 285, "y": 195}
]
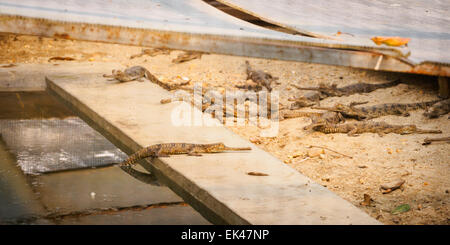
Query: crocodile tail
[
  {"x": 153, "y": 79},
  {"x": 131, "y": 160},
  {"x": 428, "y": 131},
  {"x": 413, "y": 106},
  {"x": 141, "y": 154},
  {"x": 237, "y": 148},
  {"x": 144, "y": 177}
]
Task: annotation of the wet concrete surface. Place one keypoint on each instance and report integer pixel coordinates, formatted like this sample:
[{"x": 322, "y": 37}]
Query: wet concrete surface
[
  {"x": 97, "y": 188},
  {"x": 17, "y": 199}
]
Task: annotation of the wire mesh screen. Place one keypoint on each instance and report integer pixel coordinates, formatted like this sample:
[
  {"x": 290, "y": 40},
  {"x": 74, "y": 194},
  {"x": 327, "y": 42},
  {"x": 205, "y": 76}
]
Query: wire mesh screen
[{"x": 48, "y": 145}]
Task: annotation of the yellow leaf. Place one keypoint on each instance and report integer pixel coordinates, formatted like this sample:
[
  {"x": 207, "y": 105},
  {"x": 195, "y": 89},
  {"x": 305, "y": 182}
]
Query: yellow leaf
[
  {"x": 390, "y": 41},
  {"x": 287, "y": 161}
]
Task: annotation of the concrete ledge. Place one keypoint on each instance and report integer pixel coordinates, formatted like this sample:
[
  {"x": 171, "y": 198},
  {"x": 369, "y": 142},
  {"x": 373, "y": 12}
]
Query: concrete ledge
[
  {"x": 216, "y": 185},
  {"x": 31, "y": 77}
]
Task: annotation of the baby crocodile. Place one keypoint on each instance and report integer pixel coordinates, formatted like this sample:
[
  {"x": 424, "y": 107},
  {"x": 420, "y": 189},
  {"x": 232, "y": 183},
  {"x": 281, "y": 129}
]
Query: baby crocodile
[
  {"x": 333, "y": 90},
  {"x": 152, "y": 52},
  {"x": 230, "y": 107},
  {"x": 207, "y": 99},
  {"x": 438, "y": 109},
  {"x": 167, "y": 149},
  {"x": 316, "y": 117},
  {"x": 306, "y": 100},
  {"x": 187, "y": 56},
  {"x": 261, "y": 78},
  {"x": 137, "y": 73},
  {"x": 369, "y": 112},
  {"x": 381, "y": 128},
  {"x": 130, "y": 74},
  {"x": 324, "y": 91}
]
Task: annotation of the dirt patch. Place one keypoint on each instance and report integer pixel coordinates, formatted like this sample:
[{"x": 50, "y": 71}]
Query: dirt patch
[{"x": 374, "y": 160}]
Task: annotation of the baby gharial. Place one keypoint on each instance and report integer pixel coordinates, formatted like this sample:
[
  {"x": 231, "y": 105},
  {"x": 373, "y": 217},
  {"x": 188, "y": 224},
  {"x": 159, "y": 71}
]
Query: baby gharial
[
  {"x": 369, "y": 112},
  {"x": 438, "y": 109},
  {"x": 263, "y": 79},
  {"x": 381, "y": 128},
  {"x": 129, "y": 74},
  {"x": 167, "y": 149},
  {"x": 139, "y": 72}
]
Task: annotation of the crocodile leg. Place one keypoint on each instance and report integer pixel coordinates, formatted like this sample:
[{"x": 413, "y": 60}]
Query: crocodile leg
[
  {"x": 193, "y": 152},
  {"x": 353, "y": 132},
  {"x": 160, "y": 153}
]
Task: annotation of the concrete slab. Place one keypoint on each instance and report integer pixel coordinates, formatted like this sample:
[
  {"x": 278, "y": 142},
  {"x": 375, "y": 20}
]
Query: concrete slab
[
  {"x": 17, "y": 200},
  {"x": 216, "y": 185}
]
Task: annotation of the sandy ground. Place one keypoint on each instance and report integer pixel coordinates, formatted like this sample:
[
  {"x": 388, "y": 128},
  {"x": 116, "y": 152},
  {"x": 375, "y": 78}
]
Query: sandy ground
[{"x": 375, "y": 160}]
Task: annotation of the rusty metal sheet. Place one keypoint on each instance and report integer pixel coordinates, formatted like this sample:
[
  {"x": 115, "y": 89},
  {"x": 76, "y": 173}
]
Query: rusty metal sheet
[
  {"x": 425, "y": 22},
  {"x": 193, "y": 25},
  {"x": 193, "y": 17}
]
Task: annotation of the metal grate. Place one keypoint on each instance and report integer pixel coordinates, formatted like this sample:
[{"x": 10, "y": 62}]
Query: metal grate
[{"x": 48, "y": 145}]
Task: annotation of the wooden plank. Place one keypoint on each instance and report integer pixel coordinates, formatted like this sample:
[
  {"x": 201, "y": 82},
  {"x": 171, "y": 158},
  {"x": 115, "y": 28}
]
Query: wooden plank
[
  {"x": 444, "y": 87},
  {"x": 425, "y": 22},
  {"x": 216, "y": 185}
]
